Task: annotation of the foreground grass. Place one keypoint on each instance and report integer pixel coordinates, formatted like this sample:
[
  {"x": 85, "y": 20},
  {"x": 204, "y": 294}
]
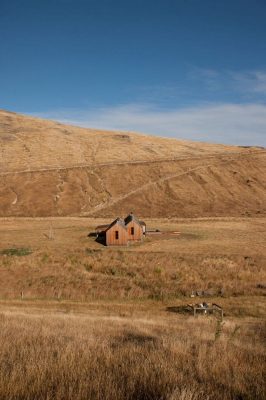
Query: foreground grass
[
  {"x": 110, "y": 357},
  {"x": 107, "y": 323}
]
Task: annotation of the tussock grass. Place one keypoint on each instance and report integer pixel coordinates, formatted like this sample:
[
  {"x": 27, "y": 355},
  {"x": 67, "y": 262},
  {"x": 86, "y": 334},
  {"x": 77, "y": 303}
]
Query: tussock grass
[
  {"x": 16, "y": 252},
  {"x": 228, "y": 260},
  {"x": 130, "y": 275},
  {"x": 70, "y": 357}
]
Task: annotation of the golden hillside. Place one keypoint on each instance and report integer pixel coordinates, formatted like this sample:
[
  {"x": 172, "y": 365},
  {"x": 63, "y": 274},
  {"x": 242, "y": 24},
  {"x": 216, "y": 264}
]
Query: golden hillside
[{"x": 47, "y": 168}]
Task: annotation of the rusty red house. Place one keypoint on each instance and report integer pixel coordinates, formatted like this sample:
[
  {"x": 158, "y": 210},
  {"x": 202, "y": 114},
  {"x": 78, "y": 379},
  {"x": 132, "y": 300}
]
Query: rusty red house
[
  {"x": 122, "y": 231},
  {"x": 116, "y": 233}
]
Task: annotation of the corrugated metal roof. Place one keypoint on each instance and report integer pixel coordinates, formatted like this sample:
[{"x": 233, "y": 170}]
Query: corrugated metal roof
[
  {"x": 122, "y": 222},
  {"x": 101, "y": 227},
  {"x": 131, "y": 217}
]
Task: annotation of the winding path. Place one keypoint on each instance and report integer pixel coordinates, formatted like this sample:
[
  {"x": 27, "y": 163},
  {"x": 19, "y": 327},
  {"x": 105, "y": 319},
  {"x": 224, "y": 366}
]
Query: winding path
[{"x": 114, "y": 163}]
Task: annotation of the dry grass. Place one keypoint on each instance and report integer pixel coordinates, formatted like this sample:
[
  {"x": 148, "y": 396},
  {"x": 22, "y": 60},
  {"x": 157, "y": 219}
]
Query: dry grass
[
  {"x": 49, "y": 144},
  {"x": 101, "y": 323},
  {"x": 50, "y": 169},
  {"x": 94, "y": 356},
  {"x": 222, "y": 257}
]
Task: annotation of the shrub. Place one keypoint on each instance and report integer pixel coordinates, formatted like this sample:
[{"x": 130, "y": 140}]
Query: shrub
[{"x": 22, "y": 251}]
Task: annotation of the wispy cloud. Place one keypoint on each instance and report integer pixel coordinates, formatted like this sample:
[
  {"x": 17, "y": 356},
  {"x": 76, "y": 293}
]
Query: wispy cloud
[
  {"x": 243, "y": 82},
  {"x": 252, "y": 82},
  {"x": 235, "y": 115},
  {"x": 241, "y": 124},
  {"x": 199, "y": 85}
]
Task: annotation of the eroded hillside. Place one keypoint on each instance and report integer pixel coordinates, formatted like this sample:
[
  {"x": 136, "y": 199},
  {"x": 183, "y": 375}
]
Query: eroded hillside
[{"x": 49, "y": 169}]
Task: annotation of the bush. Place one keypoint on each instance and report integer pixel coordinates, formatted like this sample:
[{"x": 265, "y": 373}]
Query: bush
[{"x": 22, "y": 251}]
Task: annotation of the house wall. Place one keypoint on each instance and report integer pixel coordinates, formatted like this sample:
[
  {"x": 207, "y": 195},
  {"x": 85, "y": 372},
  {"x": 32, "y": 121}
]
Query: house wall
[
  {"x": 138, "y": 232},
  {"x": 122, "y": 236}
]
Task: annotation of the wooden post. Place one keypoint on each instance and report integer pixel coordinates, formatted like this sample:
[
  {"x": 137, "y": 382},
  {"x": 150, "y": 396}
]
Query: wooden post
[
  {"x": 219, "y": 309},
  {"x": 51, "y": 232}
]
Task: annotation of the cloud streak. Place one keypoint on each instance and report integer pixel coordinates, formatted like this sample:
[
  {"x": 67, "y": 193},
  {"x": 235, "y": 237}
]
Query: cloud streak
[
  {"x": 240, "y": 124},
  {"x": 252, "y": 82},
  {"x": 248, "y": 83}
]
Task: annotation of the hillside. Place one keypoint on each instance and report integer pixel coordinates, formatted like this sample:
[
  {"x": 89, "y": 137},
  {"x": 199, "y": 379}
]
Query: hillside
[{"x": 51, "y": 169}]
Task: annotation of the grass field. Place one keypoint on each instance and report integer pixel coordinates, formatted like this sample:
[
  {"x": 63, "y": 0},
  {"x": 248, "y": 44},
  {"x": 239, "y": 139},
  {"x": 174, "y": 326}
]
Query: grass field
[
  {"x": 222, "y": 256},
  {"x": 109, "y": 323},
  {"x": 127, "y": 351}
]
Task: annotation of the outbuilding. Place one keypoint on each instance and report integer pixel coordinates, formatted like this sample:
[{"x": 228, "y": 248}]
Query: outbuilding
[
  {"x": 134, "y": 227},
  {"x": 121, "y": 231},
  {"x": 116, "y": 233}
]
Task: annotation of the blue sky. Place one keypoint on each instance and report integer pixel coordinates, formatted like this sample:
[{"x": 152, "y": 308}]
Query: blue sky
[{"x": 192, "y": 69}]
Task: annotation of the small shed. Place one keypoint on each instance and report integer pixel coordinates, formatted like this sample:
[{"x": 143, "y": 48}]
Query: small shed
[
  {"x": 143, "y": 225},
  {"x": 116, "y": 233},
  {"x": 101, "y": 228},
  {"x": 134, "y": 227}
]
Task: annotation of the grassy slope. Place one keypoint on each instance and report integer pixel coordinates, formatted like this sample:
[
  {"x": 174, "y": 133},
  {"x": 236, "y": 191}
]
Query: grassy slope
[
  {"x": 80, "y": 171},
  {"x": 115, "y": 345}
]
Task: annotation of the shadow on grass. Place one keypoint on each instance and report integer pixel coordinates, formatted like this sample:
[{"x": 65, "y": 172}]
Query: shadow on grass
[
  {"x": 137, "y": 339},
  {"x": 100, "y": 238},
  {"x": 179, "y": 310},
  {"x": 92, "y": 234}
]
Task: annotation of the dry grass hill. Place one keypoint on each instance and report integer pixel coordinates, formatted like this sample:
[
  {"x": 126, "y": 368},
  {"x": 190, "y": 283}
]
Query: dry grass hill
[
  {"x": 83, "y": 321},
  {"x": 51, "y": 169}
]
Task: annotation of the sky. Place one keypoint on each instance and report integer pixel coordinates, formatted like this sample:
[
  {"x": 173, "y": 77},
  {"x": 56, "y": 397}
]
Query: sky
[{"x": 189, "y": 69}]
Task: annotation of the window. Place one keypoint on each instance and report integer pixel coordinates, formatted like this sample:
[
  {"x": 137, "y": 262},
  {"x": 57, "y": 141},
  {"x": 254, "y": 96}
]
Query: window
[
  {"x": 116, "y": 234},
  {"x": 132, "y": 230}
]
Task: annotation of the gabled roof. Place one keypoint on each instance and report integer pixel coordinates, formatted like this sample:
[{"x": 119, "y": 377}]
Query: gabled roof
[
  {"x": 131, "y": 217},
  {"x": 118, "y": 221}
]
